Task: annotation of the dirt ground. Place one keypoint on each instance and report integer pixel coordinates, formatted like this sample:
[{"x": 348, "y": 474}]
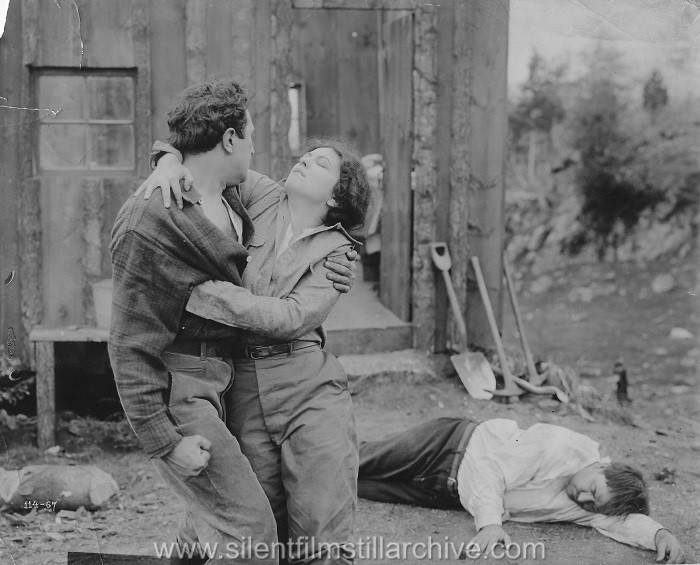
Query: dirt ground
[{"x": 626, "y": 319}]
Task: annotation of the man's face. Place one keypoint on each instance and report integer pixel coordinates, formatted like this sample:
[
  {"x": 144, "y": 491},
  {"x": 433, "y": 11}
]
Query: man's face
[
  {"x": 588, "y": 488},
  {"x": 243, "y": 150}
]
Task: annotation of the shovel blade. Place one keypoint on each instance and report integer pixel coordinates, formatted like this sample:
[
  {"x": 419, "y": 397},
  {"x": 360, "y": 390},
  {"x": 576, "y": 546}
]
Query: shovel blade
[{"x": 476, "y": 374}]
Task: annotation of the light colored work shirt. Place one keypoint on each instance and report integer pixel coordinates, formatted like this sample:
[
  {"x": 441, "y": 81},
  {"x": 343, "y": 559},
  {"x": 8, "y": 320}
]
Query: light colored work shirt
[
  {"x": 520, "y": 475},
  {"x": 235, "y": 220},
  {"x": 286, "y": 294}
]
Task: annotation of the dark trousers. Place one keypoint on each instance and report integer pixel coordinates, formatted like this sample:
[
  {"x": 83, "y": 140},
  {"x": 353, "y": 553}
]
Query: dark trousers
[{"x": 418, "y": 466}]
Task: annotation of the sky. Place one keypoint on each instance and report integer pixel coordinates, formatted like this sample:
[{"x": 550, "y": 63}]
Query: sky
[
  {"x": 4, "y": 4},
  {"x": 651, "y": 34}
]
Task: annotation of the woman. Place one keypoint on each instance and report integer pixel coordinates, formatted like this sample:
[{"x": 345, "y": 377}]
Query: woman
[{"x": 289, "y": 405}]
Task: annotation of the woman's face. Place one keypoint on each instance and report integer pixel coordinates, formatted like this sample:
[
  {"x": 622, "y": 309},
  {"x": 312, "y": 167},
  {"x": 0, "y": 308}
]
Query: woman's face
[{"x": 315, "y": 175}]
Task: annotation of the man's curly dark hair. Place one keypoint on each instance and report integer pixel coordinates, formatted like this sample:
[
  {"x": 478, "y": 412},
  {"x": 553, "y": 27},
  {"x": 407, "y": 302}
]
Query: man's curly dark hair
[
  {"x": 352, "y": 192},
  {"x": 200, "y": 114},
  {"x": 630, "y": 494}
]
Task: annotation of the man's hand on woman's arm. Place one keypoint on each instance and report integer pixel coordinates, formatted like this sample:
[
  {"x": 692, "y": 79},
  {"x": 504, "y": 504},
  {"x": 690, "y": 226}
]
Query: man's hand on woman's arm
[
  {"x": 167, "y": 175},
  {"x": 342, "y": 270}
]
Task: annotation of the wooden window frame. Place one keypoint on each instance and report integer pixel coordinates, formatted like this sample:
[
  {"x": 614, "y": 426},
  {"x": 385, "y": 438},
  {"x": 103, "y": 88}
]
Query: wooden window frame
[{"x": 38, "y": 72}]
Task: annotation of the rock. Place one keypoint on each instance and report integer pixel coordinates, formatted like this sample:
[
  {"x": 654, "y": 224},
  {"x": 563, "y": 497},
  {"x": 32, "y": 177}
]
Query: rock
[
  {"x": 537, "y": 238},
  {"x": 680, "y": 333},
  {"x": 680, "y": 389},
  {"x": 660, "y": 351},
  {"x": 688, "y": 362},
  {"x": 663, "y": 283},
  {"x": 580, "y": 294},
  {"x": 517, "y": 247},
  {"x": 55, "y": 450},
  {"x": 542, "y": 284}
]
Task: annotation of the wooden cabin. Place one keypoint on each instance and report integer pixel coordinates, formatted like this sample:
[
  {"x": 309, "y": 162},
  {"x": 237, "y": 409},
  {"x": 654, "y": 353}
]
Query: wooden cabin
[{"x": 85, "y": 86}]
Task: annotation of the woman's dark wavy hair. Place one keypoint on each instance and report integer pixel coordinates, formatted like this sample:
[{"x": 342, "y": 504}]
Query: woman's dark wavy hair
[
  {"x": 200, "y": 114},
  {"x": 630, "y": 494},
  {"x": 352, "y": 192}
]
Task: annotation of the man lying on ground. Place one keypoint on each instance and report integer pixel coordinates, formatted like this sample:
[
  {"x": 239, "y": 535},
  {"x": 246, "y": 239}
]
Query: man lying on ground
[{"x": 498, "y": 472}]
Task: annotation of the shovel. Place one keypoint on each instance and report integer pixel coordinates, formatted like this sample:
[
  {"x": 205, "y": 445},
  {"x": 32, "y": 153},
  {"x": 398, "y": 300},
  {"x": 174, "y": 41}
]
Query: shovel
[
  {"x": 510, "y": 388},
  {"x": 472, "y": 367},
  {"x": 535, "y": 378}
]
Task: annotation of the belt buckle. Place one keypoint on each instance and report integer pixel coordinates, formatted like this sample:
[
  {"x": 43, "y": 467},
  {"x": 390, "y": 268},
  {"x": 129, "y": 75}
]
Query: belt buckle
[{"x": 258, "y": 352}]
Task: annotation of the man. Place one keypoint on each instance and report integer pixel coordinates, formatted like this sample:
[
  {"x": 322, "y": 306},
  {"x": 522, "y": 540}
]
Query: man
[
  {"x": 497, "y": 471},
  {"x": 171, "y": 367}
]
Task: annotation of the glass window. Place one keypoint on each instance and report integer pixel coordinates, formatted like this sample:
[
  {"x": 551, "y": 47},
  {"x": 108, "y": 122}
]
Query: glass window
[{"x": 94, "y": 127}]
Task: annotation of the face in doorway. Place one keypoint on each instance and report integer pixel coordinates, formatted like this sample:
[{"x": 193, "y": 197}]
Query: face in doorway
[
  {"x": 315, "y": 176},
  {"x": 589, "y": 488},
  {"x": 239, "y": 151}
]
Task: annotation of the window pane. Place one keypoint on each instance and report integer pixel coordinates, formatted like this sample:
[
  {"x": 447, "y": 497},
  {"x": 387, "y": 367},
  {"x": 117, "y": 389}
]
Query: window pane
[
  {"x": 62, "y": 146},
  {"x": 64, "y": 92},
  {"x": 111, "y": 98},
  {"x": 112, "y": 146}
]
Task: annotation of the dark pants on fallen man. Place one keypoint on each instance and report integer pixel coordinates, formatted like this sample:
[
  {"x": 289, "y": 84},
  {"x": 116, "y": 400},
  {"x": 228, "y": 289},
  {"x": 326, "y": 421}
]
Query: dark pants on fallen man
[{"x": 418, "y": 466}]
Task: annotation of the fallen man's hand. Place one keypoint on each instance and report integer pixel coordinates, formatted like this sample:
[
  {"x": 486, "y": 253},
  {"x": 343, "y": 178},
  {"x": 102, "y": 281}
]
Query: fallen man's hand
[
  {"x": 488, "y": 537},
  {"x": 189, "y": 457},
  {"x": 667, "y": 546}
]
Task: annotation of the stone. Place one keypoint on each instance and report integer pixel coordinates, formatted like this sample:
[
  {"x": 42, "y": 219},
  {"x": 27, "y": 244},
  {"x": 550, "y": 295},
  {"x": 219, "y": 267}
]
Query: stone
[
  {"x": 680, "y": 333},
  {"x": 663, "y": 283},
  {"x": 541, "y": 284},
  {"x": 580, "y": 294},
  {"x": 537, "y": 238}
]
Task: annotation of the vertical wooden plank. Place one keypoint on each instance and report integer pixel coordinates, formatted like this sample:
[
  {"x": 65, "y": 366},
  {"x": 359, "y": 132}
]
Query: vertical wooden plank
[
  {"x": 280, "y": 76},
  {"x": 115, "y": 192},
  {"x": 358, "y": 90},
  {"x": 445, "y": 36},
  {"x": 59, "y": 40},
  {"x": 142, "y": 107},
  {"x": 229, "y": 39},
  {"x": 29, "y": 198},
  {"x": 317, "y": 33},
  {"x": 461, "y": 146},
  {"x": 45, "y": 394},
  {"x": 261, "y": 85},
  {"x": 167, "y": 44},
  {"x": 397, "y": 146},
  {"x": 488, "y": 39},
  {"x": 195, "y": 40},
  {"x": 424, "y": 178},
  {"x": 93, "y": 220},
  {"x": 62, "y": 250},
  {"x": 106, "y": 30},
  {"x": 10, "y": 179}
]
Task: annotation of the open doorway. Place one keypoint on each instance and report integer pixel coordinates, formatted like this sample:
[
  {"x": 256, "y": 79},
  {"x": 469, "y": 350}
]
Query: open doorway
[{"x": 353, "y": 78}]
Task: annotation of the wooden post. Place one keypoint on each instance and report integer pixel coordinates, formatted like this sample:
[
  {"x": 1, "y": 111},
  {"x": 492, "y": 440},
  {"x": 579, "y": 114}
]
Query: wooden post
[
  {"x": 280, "y": 76},
  {"x": 424, "y": 178},
  {"x": 10, "y": 181},
  {"x": 488, "y": 41},
  {"x": 45, "y": 394}
]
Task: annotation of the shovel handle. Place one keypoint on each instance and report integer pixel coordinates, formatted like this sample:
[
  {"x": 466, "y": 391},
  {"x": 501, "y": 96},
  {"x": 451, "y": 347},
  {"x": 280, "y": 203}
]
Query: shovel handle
[
  {"x": 534, "y": 376},
  {"x": 507, "y": 375},
  {"x": 456, "y": 311}
]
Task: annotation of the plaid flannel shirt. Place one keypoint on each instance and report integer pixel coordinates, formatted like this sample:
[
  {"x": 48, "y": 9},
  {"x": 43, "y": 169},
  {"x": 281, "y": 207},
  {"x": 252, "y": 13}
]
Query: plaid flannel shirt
[{"x": 158, "y": 256}]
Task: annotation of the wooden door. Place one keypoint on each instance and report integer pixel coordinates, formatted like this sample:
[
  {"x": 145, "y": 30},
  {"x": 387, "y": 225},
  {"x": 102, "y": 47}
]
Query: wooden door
[{"x": 396, "y": 132}]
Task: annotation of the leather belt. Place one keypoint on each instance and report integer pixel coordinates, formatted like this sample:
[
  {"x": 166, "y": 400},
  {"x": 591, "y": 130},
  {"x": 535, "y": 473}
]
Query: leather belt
[
  {"x": 202, "y": 348},
  {"x": 255, "y": 352},
  {"x": 459, "y": 455}
]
